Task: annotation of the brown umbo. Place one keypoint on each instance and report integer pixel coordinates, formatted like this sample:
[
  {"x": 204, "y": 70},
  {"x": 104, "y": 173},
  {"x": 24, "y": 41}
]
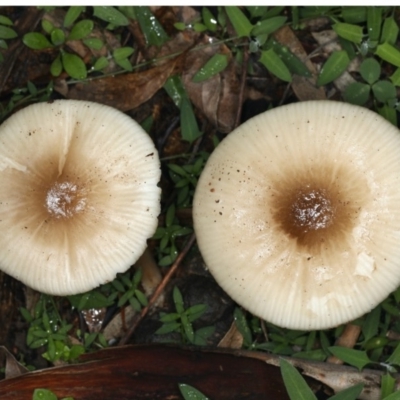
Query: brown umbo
[
  {"x": 78, "y": 195},
  {"x": 297, "y": 213}
]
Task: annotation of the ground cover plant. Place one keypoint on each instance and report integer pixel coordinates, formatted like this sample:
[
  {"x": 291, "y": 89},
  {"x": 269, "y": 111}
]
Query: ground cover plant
[{"x": 189, "y": 76}]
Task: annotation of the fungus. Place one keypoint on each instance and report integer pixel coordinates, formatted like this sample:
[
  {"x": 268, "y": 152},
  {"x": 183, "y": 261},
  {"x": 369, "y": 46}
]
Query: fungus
[
  {"x": 297, "y": 213},
  {"x": 78, "y": 195}
]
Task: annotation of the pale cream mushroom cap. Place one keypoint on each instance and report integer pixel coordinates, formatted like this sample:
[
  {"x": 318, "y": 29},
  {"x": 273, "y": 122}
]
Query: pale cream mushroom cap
[
  {"x": 78, "y": 195},
  {"x": 297, "y": 213}
]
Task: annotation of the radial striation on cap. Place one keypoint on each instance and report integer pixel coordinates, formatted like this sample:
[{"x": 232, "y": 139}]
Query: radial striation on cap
[
  {"x": 78, "y": 195},
  {"x": 297, "y": 213}
]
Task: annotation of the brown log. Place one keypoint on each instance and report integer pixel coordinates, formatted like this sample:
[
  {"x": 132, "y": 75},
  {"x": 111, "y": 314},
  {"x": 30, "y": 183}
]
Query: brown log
[{"x": 153, "y": 372}]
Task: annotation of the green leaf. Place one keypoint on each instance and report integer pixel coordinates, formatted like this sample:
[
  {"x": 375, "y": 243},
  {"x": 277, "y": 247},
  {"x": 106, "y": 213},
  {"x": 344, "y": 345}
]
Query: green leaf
[
  {"x": 374, "y": 22},
  {"x": 57, "y": 37},
  {"x": 93, "y": 43},
  {"x": 216, "y": 64},
  {"x": 168, "y": 328},
  {"x": 122, "y": 52},
  {"x": 395, "y": 356},
  {"x": 275, "y": 65},
  {"x": 100, "y": 63},
  {"x": 334, "y": 66},
  {"x": 56, "y": 66},
  {"x": 384, "y": 91},
  {"x": 74, "y": 66},
  {"x": 371, "y": 323},
  {"x": 43, "y": 394},
  {"x": 295, "y": 384},
  {"x": 393, "y": 396},
  {"x": 36, "y": 41},
  {"x": 354, "y": 14},
  {"x": 387, "y": 385},
  {"x": 388, "y": 53},
  {"x": 125, "y": 64},
  {"x": 268, "y": 26},
  {"x": 356, "y": 358},
  {"x": 370, "y": 70},
  {"x": 81, "y": 29},
  {"x": 350, "y": 393},
  {"x": 208, "y": 19},
  {"x": 5, "y": 20},
  {"x": 295, "y": 65},
  {"x": 175, "y": 89},
  {"x": 7, "y": 33},
  {"x": 111, "y": 15},
  {"x": 189, "y": 128},
  {"x": 190, "y": 393},
  {"x": 389, "y": 113},
  {"x": 239, "y": 21},
  {"x": 47, "y": 26},
  {"x": 151, "y": 28},
  {"x": 242, "y": 326},
  {"x": 72, "y": 15},
  {"x": 390, "y": 31},
  {"x": 353, "y": 33}
]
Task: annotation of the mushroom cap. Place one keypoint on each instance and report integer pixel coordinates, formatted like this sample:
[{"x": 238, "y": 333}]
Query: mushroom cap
[
  {"x": 297, "y": 213},
  {"x": 78, "y": 195}
]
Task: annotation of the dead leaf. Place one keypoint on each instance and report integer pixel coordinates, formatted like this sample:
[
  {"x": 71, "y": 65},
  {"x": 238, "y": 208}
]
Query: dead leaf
[
  {"x": 303, "y": 87},
  {"x": 13, "y": 367},
  {"x": 218, "y": 97},
  {"x": 153, "y": 372},
  {"x": 126, "y": 91}
]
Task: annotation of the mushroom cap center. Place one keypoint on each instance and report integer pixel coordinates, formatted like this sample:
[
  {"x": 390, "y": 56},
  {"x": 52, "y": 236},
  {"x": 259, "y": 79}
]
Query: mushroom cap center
[
  {"x": 311, "y": 209},
  {"x": 65, "y": 199}
]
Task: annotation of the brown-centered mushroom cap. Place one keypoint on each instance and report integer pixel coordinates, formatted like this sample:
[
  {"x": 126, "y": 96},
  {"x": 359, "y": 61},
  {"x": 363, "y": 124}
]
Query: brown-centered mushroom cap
[
  {"x": 78, "y": 195},
  {"x": 297, "y": 213}
]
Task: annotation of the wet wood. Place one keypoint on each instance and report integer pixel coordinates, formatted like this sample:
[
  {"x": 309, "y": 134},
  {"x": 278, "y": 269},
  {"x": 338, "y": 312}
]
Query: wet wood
[{"x": 153, "y": 372}]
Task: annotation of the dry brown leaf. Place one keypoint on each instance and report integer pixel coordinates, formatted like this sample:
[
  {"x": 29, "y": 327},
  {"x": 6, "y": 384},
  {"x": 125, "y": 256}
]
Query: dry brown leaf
[
  {"x": 233, "y": 339},
  {"x": 126, "y": 91},
  {"x": 304, "y": 88},
  {"x": 218, "y": 97}
]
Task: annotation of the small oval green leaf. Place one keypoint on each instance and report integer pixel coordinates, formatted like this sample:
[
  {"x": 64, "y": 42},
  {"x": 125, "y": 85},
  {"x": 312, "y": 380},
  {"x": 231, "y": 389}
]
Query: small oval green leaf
[
  {"x": 353, "y": 33},
  {"x": 151, "y": 28},
  {"x": 384, "y": 91},
  {"x": 390, "y": 31},
  {"x": 7, "y": 33},
  {"x": 100, "y": 64},
  {"x": 208, "y": 19},
  {"x": 93, "y": 43},
  {"x": 47, "y": 26},
  {"x": 72, "y": 15},
  {"x": 216, "y": 64},
  {"x": 356, "y": 358},
  {"x": 350, "y": 393},
  {"x": 5, "y": 20},
  {"x": 388, "y": 53},
  {"x": 240, "y": 23},
  {"x": 374, "y": 22},
  {"x": 354, "y": 14},
  {"x": 110, "y": 14},
  {"x": 74, "y": 66},
  {"x": 268, "y": 26},
  {"x": 36, "y": 41},
  {"x": 122, "y": 52},
  {"x": 81, "y": 29},
  {"x": 275, "y": 65},
  {"x": 295, "y": 384},
  {"x": 189, "y": 128},
  {"x": 334, "y": 66},
  {"x": 370, "y": 70},
  {"x": 57, "y": 37},
  {"x": 190, "y": 393},
  {"x": 43, "y": 394}
]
